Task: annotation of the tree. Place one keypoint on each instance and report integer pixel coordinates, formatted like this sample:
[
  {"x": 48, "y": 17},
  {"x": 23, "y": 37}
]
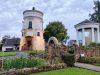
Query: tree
[
  {"x": 56, "y": 29},
  {"x": 96, "y": 15},
  {"x": 4, "y": 38}
]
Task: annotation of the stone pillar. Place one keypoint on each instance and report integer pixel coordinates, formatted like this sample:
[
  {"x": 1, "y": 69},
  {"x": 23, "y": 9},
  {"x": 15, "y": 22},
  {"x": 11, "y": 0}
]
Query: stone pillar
[
  {"x": 93, "y": 35},
  {"x": 83, "y": 36},
  {"x": 98, "y": 41},
  {"x": 77, "y": 37}
]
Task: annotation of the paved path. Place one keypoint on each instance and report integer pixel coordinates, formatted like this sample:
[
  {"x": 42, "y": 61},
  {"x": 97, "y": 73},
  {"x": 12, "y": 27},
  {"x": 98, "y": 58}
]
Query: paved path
[{"x": 88, "y": 66}]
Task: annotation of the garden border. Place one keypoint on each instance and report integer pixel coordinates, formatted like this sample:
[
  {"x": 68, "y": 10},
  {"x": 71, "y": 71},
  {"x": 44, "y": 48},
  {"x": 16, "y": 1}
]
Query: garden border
[{"x": 27, "y": 71}]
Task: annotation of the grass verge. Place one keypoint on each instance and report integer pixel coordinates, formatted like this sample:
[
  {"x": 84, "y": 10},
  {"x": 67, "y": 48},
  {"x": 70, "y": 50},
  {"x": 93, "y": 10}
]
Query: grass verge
[
  {"x": 7, "y": 53},
  {"x": 69, "y": 71}
]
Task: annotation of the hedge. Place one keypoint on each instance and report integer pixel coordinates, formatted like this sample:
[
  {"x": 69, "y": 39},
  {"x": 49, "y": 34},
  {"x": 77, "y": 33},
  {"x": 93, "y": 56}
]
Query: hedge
[
  {"x": 69, "y": 59},
  {"x": 89, "y": 60}
]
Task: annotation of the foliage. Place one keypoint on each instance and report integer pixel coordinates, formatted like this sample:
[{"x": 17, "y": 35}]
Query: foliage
[
  {"x": 98, "y": 44},
  {"x": 97, "y": 64},
  {"x": 93, "y": 44},
  {"x": 0, "y": 47},
  {"x": 36, "y": 51},
  {"x": 89, "y": 60},
  {"x": 57, "y": 60},
  {"x": 69, "y": 59},
  {"x": 56, "y": 29},
  {"x": 5, "y": 37},
  {"x": 7, "y": 53},
  {"x": 22, "y": 62},
  {"x": 71, "y": 50},
  {"x": 96, "y": 15},
  {"x": 69, "y": 71}
]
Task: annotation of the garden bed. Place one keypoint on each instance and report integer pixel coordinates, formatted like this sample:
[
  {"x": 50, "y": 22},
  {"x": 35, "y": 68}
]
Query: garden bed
[
  {"x": 89, "y": 60},
  {"x": 22, "y": 62},
  {"x": 27, "y": 71}
]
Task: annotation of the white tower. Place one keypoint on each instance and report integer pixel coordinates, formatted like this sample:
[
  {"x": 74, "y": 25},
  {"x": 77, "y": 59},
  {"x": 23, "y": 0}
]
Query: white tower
[{"x": 32, "y": 30}]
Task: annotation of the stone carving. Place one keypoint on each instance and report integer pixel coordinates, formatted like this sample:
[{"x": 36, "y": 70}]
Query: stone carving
[{"x": 55, "y": 50}]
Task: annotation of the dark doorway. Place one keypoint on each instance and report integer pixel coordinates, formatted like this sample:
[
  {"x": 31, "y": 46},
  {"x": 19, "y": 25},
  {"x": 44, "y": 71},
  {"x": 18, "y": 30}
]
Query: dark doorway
[{"x": 28, "y": 43}]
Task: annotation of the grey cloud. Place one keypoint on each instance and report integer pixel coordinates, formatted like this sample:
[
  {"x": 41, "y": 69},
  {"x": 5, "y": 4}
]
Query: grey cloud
[{"x": 70, "y": 12}]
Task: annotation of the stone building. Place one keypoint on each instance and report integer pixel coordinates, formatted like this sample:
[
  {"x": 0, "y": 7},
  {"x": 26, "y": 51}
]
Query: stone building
[
  {"x": 32, "y": 31},
  {"x": 87, "y": 31}
]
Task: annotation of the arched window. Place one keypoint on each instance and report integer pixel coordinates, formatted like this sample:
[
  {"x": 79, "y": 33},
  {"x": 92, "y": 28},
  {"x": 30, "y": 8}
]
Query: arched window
[
  {"x": 22, "y": 33},
  {"x": 30, "y": 25},
  {"x": 38, "y": 33}
]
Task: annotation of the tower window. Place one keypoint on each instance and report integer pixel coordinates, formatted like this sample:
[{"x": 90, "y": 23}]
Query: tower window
[
  {"x": 22, "y": 33},
  {"x": 38, "y": 33},
  {"x": 30, "y": 25}
]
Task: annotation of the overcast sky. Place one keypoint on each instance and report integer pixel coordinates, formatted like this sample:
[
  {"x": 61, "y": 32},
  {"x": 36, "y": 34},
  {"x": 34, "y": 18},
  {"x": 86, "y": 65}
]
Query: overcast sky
[{"x": 70, "y": 12}]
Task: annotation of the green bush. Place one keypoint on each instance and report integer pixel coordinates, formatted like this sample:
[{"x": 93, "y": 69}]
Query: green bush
[
  {"x": 92, "y": 44},
  {"x": 97, "y": 64},
  {"x": 98, "y": 44},
  {"x": 89, "y": 60},
  {"x": 69, "y": 59},
  {"x": 22, "y": 62}
]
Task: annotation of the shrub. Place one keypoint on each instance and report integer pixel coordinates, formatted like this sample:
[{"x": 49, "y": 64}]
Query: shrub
[
  {"x": 22, "y": 62},
  {"x": 71, "y": 50},
  {"x": 98, "y": 44},
  {"x": 69, "y": 59},
  {"x": 32, "y": 52},
  {"x": 89, "y": 60},
  {"x": 97, "y": 64},
  {"x": 92, "y": 44}
]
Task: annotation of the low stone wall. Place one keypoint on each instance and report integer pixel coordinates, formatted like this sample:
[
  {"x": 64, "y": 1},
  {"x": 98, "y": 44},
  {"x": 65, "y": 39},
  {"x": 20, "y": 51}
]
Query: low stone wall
[
  {"x": 27, "y": 71},
  {"x": 89, "y": 52}
]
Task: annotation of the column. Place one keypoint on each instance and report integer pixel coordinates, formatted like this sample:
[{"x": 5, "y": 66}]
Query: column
[
  {"x": 93, "y": 35},
  {"x": 77, "y": 36},
  {"x": 98, "y": 41},
  {"x": 83, "y": 36}
]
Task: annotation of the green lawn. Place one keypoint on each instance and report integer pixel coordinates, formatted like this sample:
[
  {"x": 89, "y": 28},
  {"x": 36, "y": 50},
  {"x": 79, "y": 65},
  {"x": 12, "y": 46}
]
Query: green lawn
[
  {"x": 69, "y": 71},
  {"x": 7, "y": 53}
]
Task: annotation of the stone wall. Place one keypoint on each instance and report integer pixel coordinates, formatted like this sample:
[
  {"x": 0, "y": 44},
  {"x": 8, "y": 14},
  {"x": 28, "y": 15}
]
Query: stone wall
[{"x": 88, "y": 52}]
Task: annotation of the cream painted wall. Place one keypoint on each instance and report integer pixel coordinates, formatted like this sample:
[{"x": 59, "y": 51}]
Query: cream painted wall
[{"x": 37, "y": 26}]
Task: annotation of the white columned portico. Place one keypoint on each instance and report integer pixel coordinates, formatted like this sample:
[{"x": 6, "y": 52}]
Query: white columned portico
[
  {"x": 83, "y": 36},
  {"x": 98, "y": 35},
  {"x": 93, "y": 34},
  {"x": 77, "y": 36},
  {"x": 90, "y": 32}
]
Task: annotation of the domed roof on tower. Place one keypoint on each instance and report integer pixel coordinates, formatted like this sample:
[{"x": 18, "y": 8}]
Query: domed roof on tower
[{"x": 33, "y": 10}]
